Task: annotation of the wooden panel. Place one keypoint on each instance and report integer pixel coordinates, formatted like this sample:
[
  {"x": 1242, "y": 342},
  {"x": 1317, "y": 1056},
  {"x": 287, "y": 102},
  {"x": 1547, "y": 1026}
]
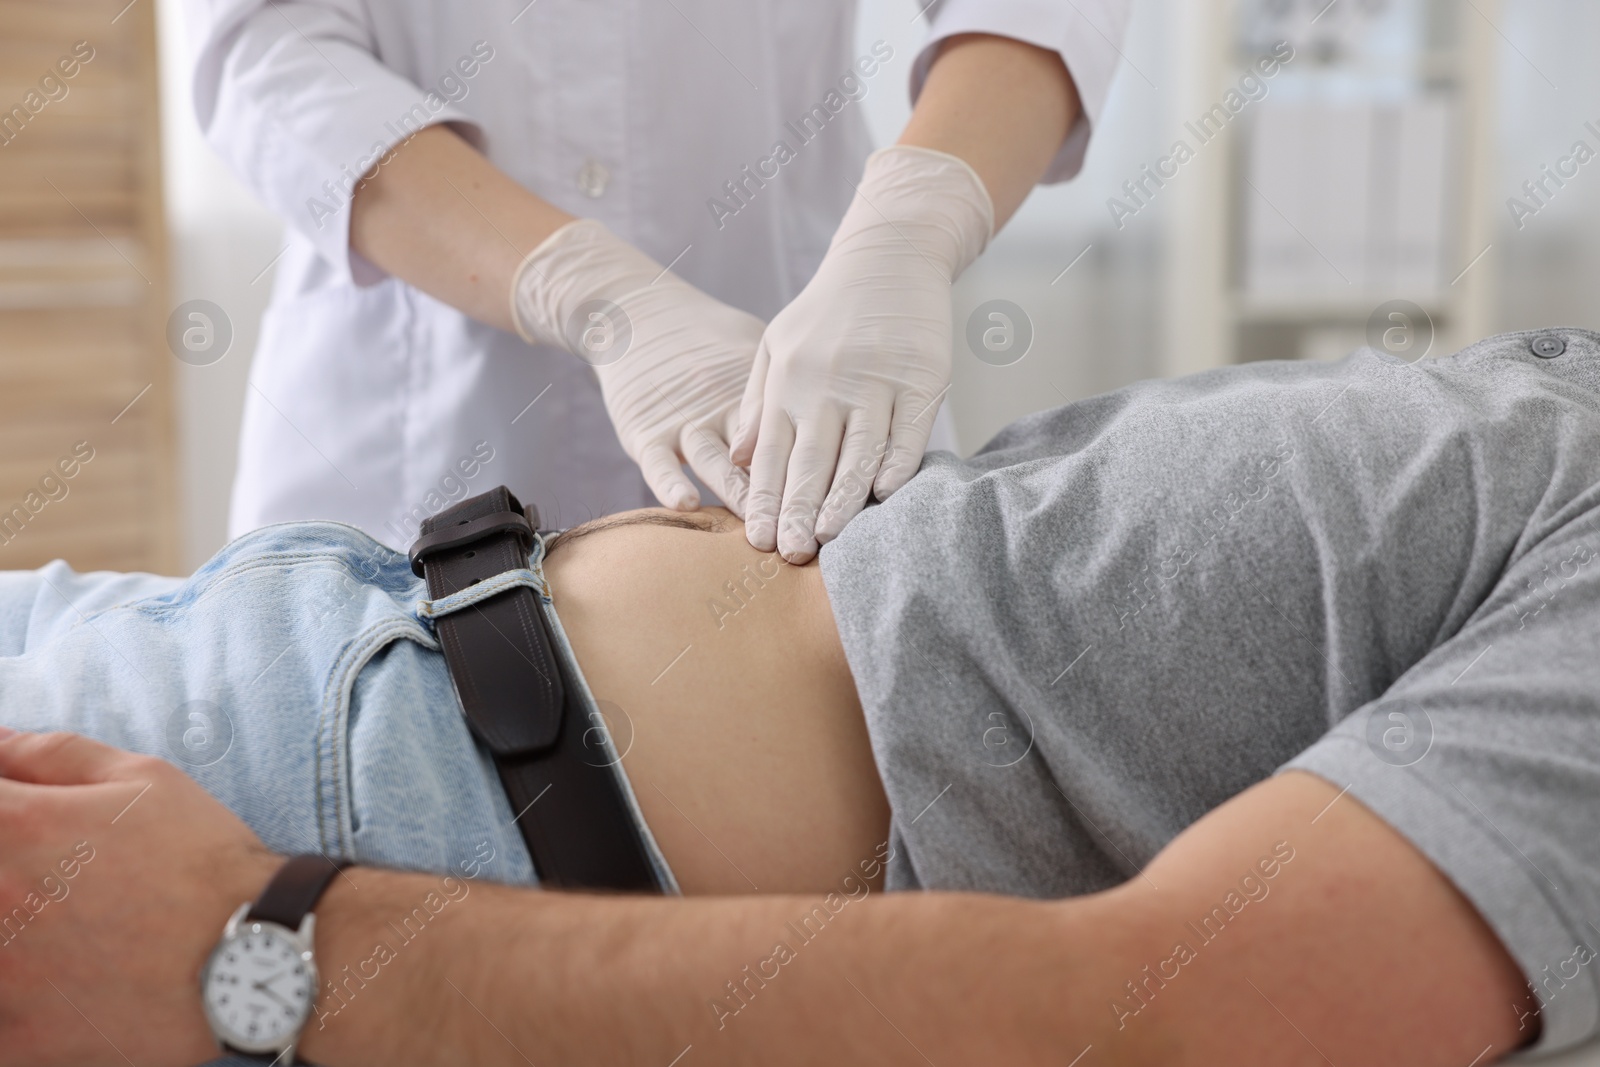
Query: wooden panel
[{"x": 85, "y": 378}]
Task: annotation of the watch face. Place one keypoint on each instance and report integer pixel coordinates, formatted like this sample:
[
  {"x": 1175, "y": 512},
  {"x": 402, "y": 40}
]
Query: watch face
[{"x": 259, "y": 987}]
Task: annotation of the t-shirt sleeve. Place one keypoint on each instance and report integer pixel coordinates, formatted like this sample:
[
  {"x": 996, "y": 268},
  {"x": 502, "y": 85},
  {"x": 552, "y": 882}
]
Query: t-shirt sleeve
[
  {"x": 296, "y": 101},
  {"x": 1087, "y": 34},
  {"x": 1486, "y": 756}
]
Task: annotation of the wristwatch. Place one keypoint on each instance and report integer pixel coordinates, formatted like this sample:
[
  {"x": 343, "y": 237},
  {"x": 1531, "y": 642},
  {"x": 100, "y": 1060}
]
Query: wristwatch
[{"x": 260, "y": 984}]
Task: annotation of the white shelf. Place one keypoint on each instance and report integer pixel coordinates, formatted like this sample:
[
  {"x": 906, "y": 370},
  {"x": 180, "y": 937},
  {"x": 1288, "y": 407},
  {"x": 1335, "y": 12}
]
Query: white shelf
[{"x": 1209, "y": 307}]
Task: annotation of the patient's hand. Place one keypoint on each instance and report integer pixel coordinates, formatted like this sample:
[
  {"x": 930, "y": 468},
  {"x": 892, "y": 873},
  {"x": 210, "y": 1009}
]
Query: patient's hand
[{"x": 117, "y": 874}]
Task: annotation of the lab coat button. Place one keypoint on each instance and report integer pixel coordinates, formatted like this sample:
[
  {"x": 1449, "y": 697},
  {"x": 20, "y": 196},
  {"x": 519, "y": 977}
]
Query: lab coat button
[
  {"x": 593, "y": 178},
  {"x": 1548, "y": 346}
]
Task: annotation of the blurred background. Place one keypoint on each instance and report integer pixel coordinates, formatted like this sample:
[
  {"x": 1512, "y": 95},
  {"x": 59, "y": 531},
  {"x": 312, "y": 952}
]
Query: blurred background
[{"x": 1409, "y": 174}]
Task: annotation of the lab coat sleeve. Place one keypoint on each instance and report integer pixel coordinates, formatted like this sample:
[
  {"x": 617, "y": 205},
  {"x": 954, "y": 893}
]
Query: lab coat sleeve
[
  {"x": 1087, "y": 33},
  {"x": 295, "y": 100}
]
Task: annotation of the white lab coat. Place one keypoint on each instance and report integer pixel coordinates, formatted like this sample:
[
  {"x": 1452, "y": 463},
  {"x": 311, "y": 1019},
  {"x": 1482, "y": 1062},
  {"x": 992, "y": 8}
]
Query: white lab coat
[{"x": 374, "y": 404}]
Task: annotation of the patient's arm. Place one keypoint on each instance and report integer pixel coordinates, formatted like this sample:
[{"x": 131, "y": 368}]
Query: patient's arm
[{"x": 1361, "y": 953}]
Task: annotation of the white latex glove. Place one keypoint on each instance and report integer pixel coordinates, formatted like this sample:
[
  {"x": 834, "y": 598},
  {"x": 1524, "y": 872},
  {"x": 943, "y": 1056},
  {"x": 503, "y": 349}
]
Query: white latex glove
[
  {"x": 850, "y": 375},
  {"x": 672, "y": 361}
]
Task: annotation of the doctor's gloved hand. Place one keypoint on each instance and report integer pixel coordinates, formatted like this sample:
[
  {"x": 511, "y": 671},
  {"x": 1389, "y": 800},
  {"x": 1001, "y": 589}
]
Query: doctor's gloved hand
[
  {"x": 850, "y": 375},
  {"x": 672, "y": 361}
]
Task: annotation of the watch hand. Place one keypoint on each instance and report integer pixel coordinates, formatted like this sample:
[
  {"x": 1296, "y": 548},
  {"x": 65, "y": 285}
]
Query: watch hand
[
  {"x": 262, "y": 988},
  {"x": 262, "y": 985}
]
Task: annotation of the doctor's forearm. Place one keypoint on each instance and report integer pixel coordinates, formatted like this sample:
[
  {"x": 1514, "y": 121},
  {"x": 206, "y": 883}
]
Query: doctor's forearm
[
  {"x": 440, "y": 216},
  {"x": 1001, "y": 105}
]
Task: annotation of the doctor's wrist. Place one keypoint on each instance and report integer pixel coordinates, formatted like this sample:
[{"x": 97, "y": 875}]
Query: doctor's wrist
[
  {"x": 933, "y": 199},
  {"x": 580, "y": 270}
]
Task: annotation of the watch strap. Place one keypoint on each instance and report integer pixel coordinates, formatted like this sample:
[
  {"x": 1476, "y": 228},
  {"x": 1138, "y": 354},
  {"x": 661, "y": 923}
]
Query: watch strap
[{"x": 294, "y": 890}]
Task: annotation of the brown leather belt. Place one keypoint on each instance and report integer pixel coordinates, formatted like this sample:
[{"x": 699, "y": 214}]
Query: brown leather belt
[{"x": 523, "y": 705}]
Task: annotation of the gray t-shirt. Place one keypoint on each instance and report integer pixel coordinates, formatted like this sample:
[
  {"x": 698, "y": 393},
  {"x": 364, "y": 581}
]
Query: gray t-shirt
[{"x": 1124, "y": 611}]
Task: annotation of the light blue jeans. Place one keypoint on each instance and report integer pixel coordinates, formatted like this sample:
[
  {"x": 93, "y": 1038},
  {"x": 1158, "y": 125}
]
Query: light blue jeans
[{"x": 297, "y": 678}]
